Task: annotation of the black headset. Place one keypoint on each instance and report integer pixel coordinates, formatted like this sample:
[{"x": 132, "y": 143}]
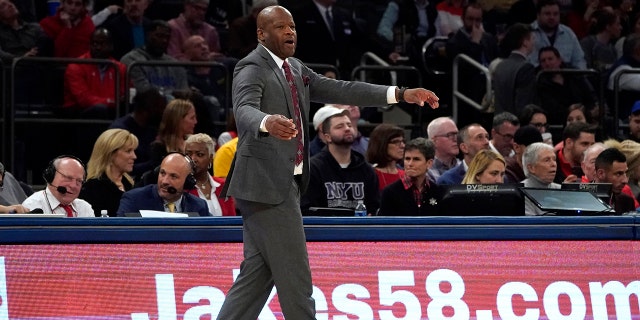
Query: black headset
[
  {"x": 49, "y": 173},
  {"x": 190, "y": 180}
]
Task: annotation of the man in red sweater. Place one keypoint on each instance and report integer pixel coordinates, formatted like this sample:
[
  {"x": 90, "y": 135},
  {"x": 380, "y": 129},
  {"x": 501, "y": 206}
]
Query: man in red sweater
[
  {"x": 90, "y": 88},
  {"x": 70, "y": 29}
]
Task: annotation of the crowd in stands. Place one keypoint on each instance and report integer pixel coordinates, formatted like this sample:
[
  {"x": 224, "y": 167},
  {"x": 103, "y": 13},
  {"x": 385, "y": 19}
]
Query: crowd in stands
[{"x": 546, "y": 121}]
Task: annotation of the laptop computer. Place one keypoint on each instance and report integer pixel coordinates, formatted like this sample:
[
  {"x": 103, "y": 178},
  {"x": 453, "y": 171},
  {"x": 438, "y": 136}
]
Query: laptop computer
[{"x": 568, "y": 202}]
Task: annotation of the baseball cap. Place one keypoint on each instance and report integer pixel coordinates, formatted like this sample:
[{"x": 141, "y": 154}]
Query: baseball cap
[
  {"x": 527, "y": 135},
  {"x": 324, "y": 113},
  {"x": 636, "y": 107}
]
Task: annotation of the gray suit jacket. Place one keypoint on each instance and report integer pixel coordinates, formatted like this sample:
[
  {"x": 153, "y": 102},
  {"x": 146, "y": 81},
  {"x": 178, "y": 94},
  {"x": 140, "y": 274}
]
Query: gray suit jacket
[{"x": 262, "y": 170}]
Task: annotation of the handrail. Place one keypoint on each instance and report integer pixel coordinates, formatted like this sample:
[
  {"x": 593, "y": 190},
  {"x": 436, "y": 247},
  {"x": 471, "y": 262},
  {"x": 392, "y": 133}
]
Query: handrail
[
  {"x": 616, "y": 91},
  {"x": 329, "y": 67},
  {"x": 379, "y": 61},
  {"x": 211, "y": 64},
  {"x": 407, "y": 69},
  {"x": 57, "y": 61},
  {"x": 425, "y": 46},
  {"x": 458, "y": 95}
]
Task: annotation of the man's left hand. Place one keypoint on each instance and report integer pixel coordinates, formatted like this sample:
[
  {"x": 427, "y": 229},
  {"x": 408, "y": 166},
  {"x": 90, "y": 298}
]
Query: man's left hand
[{"x": 419, "y": 96}]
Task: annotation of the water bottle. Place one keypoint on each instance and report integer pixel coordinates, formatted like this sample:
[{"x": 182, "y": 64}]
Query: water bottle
[
  {"x": 103, "y": 214},
  {"x": 361, "y": 209}
]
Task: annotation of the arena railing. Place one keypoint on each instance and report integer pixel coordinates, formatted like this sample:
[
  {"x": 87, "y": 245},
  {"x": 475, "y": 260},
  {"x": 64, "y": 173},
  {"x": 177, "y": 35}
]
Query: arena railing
[
  {"x": 463, "y": 58},
  {"x": 409, "y": 70},
  {"x": 616, "y": 96},
  {"x": 36, "y": 117}
]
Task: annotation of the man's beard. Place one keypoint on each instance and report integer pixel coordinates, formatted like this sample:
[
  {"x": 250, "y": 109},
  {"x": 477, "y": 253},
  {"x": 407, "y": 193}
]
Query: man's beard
[{"x": 343, "y": 141}]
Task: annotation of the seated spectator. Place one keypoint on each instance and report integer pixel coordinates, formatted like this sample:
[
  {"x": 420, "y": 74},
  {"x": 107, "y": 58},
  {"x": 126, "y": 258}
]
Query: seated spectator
[
  {"x": 170, "y": 193},
  {"x": 504, "y": 127},
  {"x": 242, "y": 30},
  {"x": 487, "y": 167},
  {"x": 414, "y": 194},
  {"x": 630, "y": 59},
  {"x": 575, "y": 113},
  {"x": 70, "y": 29},
  {"x": 588, "y": 165},
  {"x": 417, "y": 19},
  {"x": 360, "y": 143},
  {"x": 576, "y": 137},
  {"x": 108, "y": 170},
  {"x": 535, "y": 116},
  {"x": 165, "y": 79},
  {"x": 539, "y": 163},
  {"x": 128, "y": 28},
  {"x": 482, "y": 47},
  {"x": 611, "y": 167},
  {"x": 634, "y": 122},
  {"x": 189, "y": 23},
  {"x": 338, "y": 176},
  {"x": 548, "y": 31},
  {"x": 471, "y": 140},
  {"x": 201, "y": 149},
  {"x": 599, "y": 52},
  {"x": 210, "y": 82},
  {"x": 385, "y": 152},
  {"x": 11, "y": 193},
  {"x": 444, "y": 134},
  {"x": 524, "y": 136},
  {"x": 449, "y": 16},
  {"x": 90, "y": 89},
  {"x": 143, "y": 122},
  {"x": 635, "y": 29},
  {"x": 318, "y": 142},
  {"x": 19, "y": 38},
  {"x": 580, "y": 17},
  {"x": 178, "y": 122},
  {"x": 557, "y": 91},
  {"x": 224, "y": 157},
  {"x": 514, "y": 77},
  {"x": 64, "y": 177}
]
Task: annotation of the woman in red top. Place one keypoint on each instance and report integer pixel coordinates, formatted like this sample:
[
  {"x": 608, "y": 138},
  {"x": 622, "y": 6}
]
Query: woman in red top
[{"x": 386, "y": 149}]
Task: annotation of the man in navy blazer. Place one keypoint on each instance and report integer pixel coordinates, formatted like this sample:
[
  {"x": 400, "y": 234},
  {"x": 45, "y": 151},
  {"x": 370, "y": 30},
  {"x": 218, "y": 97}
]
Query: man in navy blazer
[
  {"x": 471, "y": 139},
  {"x": 168, "y": 192}
]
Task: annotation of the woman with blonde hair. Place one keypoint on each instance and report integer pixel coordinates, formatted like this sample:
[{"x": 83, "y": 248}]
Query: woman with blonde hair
[
  {"x": 486, "y": 167},
  {"x": 108, "y": 170},
  {"x": 178, "y": 121},
  {"x": 201, "y": 149}
]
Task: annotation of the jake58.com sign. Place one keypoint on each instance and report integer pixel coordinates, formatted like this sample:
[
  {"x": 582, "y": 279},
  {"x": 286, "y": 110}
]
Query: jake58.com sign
[{"x": 352, "y": 280}]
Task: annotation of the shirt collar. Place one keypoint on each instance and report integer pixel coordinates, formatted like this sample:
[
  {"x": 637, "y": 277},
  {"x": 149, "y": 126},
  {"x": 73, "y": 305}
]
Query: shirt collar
[
  {"x": 407, "y": 182},
  {"x": 275, "y": 58}
]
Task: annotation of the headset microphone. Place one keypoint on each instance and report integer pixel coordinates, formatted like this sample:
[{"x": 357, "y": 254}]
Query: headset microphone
[
  {"x": 172, "y": 190},
  {"x": 61, "y": 189}
]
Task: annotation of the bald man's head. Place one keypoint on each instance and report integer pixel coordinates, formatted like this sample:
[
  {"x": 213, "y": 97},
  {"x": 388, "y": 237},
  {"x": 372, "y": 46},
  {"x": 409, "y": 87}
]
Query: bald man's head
[{"x": 277, "y": 31}]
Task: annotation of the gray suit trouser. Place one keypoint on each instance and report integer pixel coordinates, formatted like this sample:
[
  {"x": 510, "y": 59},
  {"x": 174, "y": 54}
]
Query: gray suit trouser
[{"x": 275, "y": 252}]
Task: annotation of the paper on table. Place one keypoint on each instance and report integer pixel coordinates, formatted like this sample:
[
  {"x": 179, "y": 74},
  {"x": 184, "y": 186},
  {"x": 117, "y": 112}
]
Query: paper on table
[{"x": 161, "y": 214}]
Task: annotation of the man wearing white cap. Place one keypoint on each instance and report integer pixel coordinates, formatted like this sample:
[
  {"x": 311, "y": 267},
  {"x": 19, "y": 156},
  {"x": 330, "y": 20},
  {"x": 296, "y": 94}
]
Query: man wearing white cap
[{"x": 316, "y": 145}]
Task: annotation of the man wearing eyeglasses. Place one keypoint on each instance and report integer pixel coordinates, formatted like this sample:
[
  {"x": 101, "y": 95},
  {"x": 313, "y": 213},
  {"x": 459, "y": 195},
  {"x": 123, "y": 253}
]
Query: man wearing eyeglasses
[
  {"x": 472, "y": 139},
  {"x": 64, "y": 176},
  {"x": 444, "y": 134},
  {"x": 505, "y": 125}
]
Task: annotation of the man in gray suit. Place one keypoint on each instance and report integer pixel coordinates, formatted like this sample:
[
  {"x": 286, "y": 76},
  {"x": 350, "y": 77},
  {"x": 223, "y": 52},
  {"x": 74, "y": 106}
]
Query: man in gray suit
[{"x": 271, "y": 97}]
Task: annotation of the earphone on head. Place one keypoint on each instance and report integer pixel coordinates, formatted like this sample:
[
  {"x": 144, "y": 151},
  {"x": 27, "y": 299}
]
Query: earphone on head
[
  {"x": 190, "y": 180},
  {"x": 49, "y": 173}
]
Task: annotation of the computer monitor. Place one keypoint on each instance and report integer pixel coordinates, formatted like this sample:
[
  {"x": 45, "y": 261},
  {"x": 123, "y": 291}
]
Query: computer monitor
[
  {"x": 567, "y": 202},
  {"x": 599, "y": 189},
  {"x": 482, "y": 200}
]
